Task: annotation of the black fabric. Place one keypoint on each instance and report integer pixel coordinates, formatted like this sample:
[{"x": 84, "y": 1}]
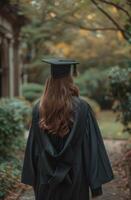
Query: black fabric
[
  {"x": 97, "y": 192},
  {"x": 59, "y": 71},
  {"x": 65, "y": 168}
]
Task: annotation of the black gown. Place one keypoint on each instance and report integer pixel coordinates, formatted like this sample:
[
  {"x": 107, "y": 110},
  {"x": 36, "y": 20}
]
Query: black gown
[{"x": 66, "y": 168}]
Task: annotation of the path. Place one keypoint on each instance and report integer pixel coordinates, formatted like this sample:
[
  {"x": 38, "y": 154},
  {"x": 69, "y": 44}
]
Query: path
[
  {"x": 115, "y": 190},
  {"x": 111, "y": 191}
]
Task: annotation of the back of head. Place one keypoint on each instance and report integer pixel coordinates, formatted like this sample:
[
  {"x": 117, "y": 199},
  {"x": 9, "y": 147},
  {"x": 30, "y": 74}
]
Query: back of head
[{"x": 56, "y": 105}]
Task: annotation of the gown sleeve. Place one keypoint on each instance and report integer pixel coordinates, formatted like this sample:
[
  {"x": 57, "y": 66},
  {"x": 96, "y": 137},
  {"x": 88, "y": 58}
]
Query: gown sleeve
[
  {"x": 95, "y": 156},
  {"x": 29, "y": 169}
]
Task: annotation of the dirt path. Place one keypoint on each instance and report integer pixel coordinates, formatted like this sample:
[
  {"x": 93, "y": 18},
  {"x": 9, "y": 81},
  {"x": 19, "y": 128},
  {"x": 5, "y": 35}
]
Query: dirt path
[
  {"x": 111, "y": 191},
  {"x": 115, "y": 190}
]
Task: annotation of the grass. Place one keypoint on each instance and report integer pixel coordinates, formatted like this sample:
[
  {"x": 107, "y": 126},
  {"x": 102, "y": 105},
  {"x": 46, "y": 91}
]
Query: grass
[{"x": 110, "y": 128}]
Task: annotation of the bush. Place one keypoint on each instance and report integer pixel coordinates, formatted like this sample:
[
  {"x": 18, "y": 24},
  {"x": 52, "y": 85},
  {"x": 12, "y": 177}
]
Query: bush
[
  {"x": 93, "y": 83},
  {"x": 120, "y": 87},
  {"x": 9, "y": 175},
  {"x": 32, "y": 91},
  {"x": 14, "y": 114}
]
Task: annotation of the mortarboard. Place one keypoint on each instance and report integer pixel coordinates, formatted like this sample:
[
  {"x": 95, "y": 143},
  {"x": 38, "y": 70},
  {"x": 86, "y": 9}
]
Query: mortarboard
[{"x": 61, "y": 67}]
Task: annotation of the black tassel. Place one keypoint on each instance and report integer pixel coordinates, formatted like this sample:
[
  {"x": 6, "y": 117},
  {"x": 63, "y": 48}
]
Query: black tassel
[{"x": 75, "y": 72}]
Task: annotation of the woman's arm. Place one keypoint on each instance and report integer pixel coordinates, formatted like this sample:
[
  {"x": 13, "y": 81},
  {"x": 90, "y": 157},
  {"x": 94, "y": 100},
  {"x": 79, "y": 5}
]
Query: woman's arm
[
  {"x": 29, "y": 172},
  {"x": 97, "y": 164}
]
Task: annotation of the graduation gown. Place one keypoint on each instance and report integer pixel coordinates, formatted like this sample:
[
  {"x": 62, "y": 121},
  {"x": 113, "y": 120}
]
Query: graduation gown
[{"x": 67, "y": 168}]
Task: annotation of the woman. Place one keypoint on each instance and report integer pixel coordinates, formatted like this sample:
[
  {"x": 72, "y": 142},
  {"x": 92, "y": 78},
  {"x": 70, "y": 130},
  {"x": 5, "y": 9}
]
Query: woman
[{"x": 65, "y": 155}]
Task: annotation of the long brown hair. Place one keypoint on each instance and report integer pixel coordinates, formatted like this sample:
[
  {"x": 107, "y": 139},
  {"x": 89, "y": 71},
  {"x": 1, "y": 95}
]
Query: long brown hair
[{"x": 56, "y": 105}]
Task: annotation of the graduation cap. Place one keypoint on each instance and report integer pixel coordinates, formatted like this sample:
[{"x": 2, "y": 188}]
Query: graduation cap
[{"x": 61, "y": 67}]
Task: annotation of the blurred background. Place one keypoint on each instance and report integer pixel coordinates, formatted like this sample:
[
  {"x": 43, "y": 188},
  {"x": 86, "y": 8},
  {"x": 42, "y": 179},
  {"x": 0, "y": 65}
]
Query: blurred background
[{"x": 97, "y": 33}]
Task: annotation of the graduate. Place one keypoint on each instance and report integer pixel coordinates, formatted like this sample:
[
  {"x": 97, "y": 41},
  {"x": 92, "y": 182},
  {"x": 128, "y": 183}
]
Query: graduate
[{"x": 65, "y": 157}]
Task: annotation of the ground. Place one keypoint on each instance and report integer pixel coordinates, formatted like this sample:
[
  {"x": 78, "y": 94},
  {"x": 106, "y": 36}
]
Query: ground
[{"x": 116, "y": 189}]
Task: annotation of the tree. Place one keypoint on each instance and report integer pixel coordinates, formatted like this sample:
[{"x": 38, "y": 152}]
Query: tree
[
  {"x": 117, "y": 13},
  {"x": 122, "y": 7}
]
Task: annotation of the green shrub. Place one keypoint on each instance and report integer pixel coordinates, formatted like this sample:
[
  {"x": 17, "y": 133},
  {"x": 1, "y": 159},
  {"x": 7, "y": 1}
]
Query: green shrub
[
  {"x": 9, "y": 175},
  {"x": 81, "y": 82},
  {"x": 120, "y": 87},
  {"x": 93, "y": 83},
  {"x": 32, "y": 91},
  {"x": 14, "y": 114}
]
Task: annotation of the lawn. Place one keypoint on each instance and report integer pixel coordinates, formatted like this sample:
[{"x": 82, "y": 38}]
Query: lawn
[{"x": 110, "y": 128}]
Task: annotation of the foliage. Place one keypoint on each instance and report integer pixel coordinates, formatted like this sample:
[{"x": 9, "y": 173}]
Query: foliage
[
  {"x": 74, "y": 13},
  {"x": 76, "y": 23},
  {"x": 91, "y": 85},
  {"x": 14, "y": 115},
  {"x": 9, "y": 175},
  {"x": 37, "y": 71},
  {"x": 75, "y": 29},
  {"x": 120, "y": 86},
  {"x": 32, "y": 91}
]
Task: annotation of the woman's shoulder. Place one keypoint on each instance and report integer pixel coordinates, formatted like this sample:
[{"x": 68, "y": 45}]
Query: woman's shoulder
[
  {"x": 85, "y": 104},
  {"x": 81, "y": 103}
]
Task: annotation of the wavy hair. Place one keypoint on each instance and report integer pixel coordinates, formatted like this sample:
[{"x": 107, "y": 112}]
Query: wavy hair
[{"x": 56, "y": 105}]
